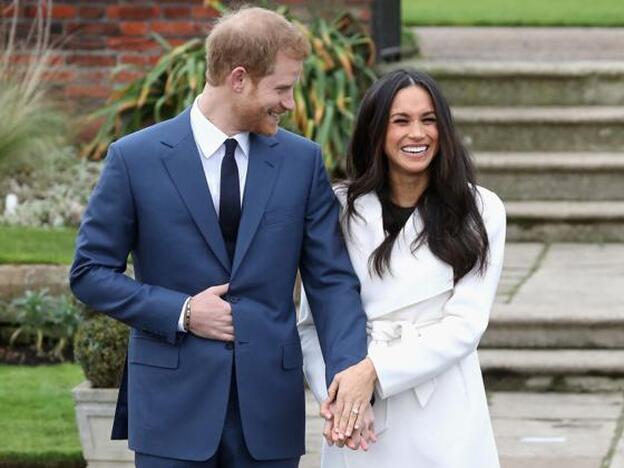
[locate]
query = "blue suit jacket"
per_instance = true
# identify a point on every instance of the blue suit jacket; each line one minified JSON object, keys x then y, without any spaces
{"x":152,"y":201}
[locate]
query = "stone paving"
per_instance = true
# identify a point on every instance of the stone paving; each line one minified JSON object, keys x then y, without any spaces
{"x":521,"y":260}
{"x":583,"y":275}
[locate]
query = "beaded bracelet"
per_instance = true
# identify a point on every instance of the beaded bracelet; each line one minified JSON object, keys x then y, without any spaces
{"x":187,"y":315}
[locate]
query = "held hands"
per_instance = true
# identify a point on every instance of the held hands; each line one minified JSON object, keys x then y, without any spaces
{"x":348,"y":402}
{"x":211,"y":316}
{"x":361,"y":438}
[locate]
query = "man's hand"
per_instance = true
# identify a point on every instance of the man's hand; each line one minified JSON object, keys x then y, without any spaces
{"x":352,"y":390}
{"x":211,"y":316}
{"x":327,"y":415}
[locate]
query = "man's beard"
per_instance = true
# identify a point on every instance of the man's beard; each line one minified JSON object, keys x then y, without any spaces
{"x":255,"y":119}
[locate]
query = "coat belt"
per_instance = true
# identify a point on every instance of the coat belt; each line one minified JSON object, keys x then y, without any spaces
{"x":385,"y":332}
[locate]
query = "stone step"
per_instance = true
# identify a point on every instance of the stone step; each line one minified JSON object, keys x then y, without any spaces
{"x":553,"y":176}
{"x":536,"y":44}
{"x":553,"y":362}
{"x":598,"y":129}
{"x":525,"y":83}
{"x":565,"y":221}
{"x":554,"y":328}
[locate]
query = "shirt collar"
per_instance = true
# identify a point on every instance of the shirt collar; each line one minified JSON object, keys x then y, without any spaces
{"x":209,"y":138}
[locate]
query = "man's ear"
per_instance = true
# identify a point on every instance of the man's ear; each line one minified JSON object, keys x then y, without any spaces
{"x":237,"y":79}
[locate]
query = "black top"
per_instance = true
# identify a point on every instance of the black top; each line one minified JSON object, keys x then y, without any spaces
{"x":399,"y":214}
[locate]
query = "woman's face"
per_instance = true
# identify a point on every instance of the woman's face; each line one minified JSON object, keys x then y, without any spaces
{"x":412,"y":133}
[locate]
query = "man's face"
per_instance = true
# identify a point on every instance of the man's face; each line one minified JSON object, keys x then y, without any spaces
{"x":261,"y":104}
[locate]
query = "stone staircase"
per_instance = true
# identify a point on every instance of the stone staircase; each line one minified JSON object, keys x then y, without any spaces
{"x":558,"y":319}
{"x":548,"y":138}
{"x":547,"y":134}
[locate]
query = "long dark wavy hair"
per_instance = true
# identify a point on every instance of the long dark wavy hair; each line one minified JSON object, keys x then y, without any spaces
{"x":453,"y":227}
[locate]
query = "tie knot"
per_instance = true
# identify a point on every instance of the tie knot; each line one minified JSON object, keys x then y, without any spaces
{"x":230,"y":146}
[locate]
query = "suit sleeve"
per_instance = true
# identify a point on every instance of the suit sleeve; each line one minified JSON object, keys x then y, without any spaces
{"x":421,"y":356}
{"x":105,"y":238}
{"x":332,"y":288}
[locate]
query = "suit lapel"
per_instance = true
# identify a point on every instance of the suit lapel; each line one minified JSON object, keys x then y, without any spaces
{"x":264,"y":163}
{"x":183,"y":163}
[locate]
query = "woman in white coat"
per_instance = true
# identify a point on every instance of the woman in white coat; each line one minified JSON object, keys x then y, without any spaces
{"x":427,"y":245}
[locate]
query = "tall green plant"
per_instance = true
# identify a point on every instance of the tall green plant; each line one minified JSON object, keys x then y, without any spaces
{"x":334,"y":78}
{"x":31,"y":125}
{"x":32,"y":311}
{"x":161,"y":93}
{"x":41,"y":318}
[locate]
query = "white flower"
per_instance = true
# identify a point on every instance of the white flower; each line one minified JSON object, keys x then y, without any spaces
{"x":10,"y":204}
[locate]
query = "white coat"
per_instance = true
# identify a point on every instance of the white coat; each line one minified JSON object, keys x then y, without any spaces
{"x":431,"y":409}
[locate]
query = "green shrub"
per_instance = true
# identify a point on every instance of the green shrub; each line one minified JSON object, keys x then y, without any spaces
{"x":335,"y":76}
{"x":100,"y":348}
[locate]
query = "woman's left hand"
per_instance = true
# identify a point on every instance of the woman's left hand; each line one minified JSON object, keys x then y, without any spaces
{"x":361,"y":437}
{"x":350,"y":391}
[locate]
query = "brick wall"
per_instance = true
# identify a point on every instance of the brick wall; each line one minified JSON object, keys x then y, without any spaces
{"x":100,"y":35}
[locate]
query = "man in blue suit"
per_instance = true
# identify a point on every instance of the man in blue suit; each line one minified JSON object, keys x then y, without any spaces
{"x":219,"y":209}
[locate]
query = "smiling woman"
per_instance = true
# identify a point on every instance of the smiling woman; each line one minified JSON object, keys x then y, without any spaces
{"x":513,"y":13}
{"x":427,"y":245}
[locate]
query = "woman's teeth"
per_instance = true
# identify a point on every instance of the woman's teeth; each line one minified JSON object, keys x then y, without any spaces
{"x":414,"y":149}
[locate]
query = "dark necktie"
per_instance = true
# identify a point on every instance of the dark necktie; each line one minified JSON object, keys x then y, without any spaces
{"x":229,"y":203}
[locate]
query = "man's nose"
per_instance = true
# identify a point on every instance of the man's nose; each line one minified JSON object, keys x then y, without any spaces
{"x":288,"y":102}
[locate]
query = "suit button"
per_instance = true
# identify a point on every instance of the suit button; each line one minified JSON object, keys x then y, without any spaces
{"x":229,"y":345}
{"x":233,"y":299}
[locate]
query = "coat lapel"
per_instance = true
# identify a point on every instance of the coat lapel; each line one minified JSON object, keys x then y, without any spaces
{"x":264,"y":163}
{"x":416,"y":275}
{"x":183,"y":163}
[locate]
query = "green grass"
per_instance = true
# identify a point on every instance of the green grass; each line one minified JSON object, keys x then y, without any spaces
{"x":33,"y":245}
{"x":37,"y":415}
{"x":513,"y":12}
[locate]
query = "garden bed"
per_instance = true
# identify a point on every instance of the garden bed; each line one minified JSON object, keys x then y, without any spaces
{"x":26,"y":356}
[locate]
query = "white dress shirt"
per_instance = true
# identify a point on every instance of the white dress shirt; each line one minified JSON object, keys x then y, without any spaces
{"x":210,"y":142}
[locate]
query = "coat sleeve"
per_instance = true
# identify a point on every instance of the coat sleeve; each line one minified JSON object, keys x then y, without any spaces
{"x":313,"y":363}
{"x":421,"y":356}
{"x":332,"y":287}
{"x":105,"y":238}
